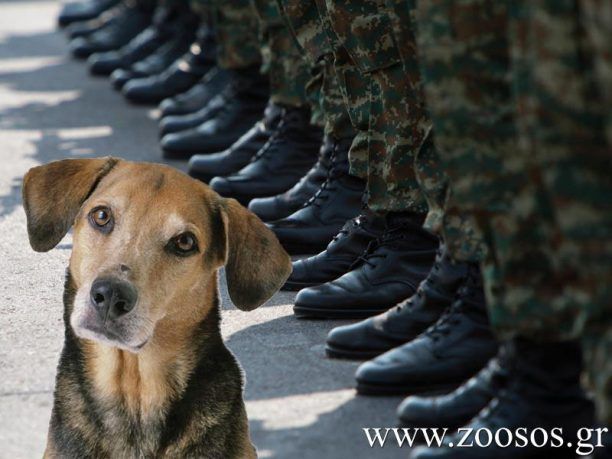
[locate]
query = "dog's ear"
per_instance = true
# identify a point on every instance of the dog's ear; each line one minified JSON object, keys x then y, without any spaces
{"x":53,"y":195}
{"x":256,"y":265}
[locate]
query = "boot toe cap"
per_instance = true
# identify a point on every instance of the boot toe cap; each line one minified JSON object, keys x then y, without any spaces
{"x":347,"y":336}
{"x":140,"y":90}
{"x":265,"y":208}
{"x":81,"y":48}
{"x":222,"y":186}
{"x":176,"y":142}
{"x":120,"y":77}
{"x":171,"y":124}
{"x":417,"y":411}
{"x":320,"y":296}
{"x":104,"y":63}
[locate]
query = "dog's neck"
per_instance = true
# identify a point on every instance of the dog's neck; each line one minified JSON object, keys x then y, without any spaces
{"x":146,"y":383}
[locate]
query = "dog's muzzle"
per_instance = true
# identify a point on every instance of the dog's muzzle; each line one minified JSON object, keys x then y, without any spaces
{"x":112,"y":297}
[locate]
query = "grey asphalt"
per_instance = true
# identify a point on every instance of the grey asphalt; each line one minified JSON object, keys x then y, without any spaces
{"x":300,"y":404}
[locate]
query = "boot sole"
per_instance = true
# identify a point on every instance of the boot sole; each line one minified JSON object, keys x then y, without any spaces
{"x":345,"y":354}
{"x":385,"y":390}
{"x":302,"y":312}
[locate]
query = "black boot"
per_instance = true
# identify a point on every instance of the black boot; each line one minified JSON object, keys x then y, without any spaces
{"x":163,"y":57}
{"x":404,"y":322}
{"x":388,"y":272}
{"x":205,"y":167}
{"x":238,"y":108}
{"x":166,"y":25}
{"x":279,"y":164}
{"x":86,"y":28}
{"x":197,"y":97}
{"x":178,"y":123}
{"x":340,"y":255}
{"x":452,"y":350}
{"x":178,"y":77}
{"x":83,"y":11}
{"x":282,"y":205}
{"x":543,"y":395}
{"x":460,"y":406}
{"x":339,"y":199}
{"x":129,"y":22}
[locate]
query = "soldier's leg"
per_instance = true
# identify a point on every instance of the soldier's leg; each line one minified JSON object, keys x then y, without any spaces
{"x":237,"y":31}
{"x":385,"y":101}
{"x":596,"y":19}
{"x":337,"y":197}
{"x":397,"y":95}
{"x":293,"y":148}
{"x":288,"y":71}
{"x":246,"y":94}
{"x":525,"y":303}
{"x":564,"y":123}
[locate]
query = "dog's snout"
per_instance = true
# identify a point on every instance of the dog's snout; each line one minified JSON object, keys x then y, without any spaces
{"x":113,"y":297}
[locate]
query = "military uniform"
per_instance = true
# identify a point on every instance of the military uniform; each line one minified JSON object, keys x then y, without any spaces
{"x":542,"y":203}
{"x":314,"y":39}
{"x":237,"y":31}
{"x":384,"y":106}
{"x":563,"y":105}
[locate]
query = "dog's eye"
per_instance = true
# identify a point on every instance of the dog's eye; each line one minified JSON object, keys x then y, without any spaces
{"x":102,"y":218}
{"x":183,"y":244}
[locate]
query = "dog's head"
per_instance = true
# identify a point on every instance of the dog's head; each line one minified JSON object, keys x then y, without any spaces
{"x":147,"y":243}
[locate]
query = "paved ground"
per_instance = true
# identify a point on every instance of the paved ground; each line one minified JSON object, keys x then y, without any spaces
{"x":301,"y":405}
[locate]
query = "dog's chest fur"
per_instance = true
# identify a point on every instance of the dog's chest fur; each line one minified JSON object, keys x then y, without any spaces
{"x":107,"y":407}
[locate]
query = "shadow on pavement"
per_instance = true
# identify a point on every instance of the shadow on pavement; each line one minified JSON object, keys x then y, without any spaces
{"x":62,"y":112}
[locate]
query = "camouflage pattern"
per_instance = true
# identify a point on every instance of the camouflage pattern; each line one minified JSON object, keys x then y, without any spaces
{"x":384,"y":97}
{"x":310,"y":31}
{"x":398,"y":123}
{"x":433,"y":182}
{"x":562,"y":86}
{"x":520,"y":105}
{"x":237,"y":29}
{"x":364,"y":29}
{"x":337,"y":122}
{"x":315,"y":39}
{"x":356,"y":91}
{"x":466,"y":66}
{"x":288,"y":70}
{"x":596,"y":20}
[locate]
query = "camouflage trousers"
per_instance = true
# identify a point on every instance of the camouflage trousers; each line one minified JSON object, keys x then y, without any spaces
{"x":377,"y":66}
{"x":237,"y":31}
{"x":250,"y":32}
{"x":313,"y":39}
{"x":562,"y":84}
{"x":521,"y":120}
{"x":288,"y":70}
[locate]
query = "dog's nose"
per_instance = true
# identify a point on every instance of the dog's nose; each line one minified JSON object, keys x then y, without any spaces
{"x":113,"y":297}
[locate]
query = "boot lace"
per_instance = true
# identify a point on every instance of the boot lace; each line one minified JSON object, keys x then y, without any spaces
{"x":409,"y":303}
{"x":351,"y":226}
{"x":388,"y":238}
{"x":328,"y":186}
{"x":451,"y":316}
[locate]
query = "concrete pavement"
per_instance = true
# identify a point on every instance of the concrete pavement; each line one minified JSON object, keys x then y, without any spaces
{"x":300,"y":404}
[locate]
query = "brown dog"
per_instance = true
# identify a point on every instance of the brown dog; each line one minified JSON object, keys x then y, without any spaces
{"x":144,"y":372}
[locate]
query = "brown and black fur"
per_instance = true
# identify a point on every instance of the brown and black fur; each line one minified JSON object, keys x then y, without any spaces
{"x":182,"y":394}
{"x":213,"y":398}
